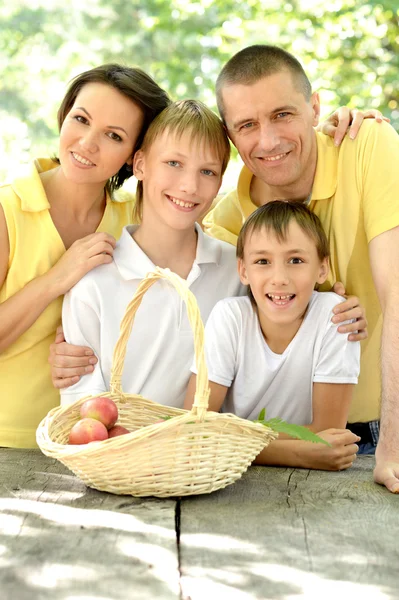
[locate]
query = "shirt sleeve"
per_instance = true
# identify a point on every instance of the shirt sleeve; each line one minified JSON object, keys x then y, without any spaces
{"x":221,"y":344}
{"x":378,"y":177}
{"x":81,"y":327}
{"x":225,"y":220}
{"x":339,"y":359}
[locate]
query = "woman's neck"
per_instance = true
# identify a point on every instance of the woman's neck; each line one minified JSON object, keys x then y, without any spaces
{"x":168,"y":248}
{"x":74,"y":201}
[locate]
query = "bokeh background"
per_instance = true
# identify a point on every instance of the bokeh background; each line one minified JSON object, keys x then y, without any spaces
{"x":349,"y":48}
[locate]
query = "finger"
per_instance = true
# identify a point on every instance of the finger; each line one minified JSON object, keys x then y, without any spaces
{"x":351,"y":313}
{"x":100,"y":247}
{"x":59,"y":335}
{"x":72,"y":350}
{"x":358,"y":325}
{"x":60,"y":384}
{"x":339,"y":288}
{"x":348,"y":304}
{"x":359,"y":336}
{"x":98,"y":236}
{"x":357,"y":120}
{"x":65,"y":372}
{"x":344,"y":117}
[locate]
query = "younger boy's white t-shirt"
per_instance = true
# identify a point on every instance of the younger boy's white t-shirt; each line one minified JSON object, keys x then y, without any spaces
{"x":238,"y":357}
{"x":160,"y":349}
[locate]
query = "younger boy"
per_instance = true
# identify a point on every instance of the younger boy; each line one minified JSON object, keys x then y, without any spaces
{"x":278,"y":349}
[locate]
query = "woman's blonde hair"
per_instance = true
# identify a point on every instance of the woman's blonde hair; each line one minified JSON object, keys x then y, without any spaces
{"x":186,"y":116}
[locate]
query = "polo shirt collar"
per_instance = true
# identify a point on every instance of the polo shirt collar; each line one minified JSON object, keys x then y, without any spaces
{"x":325,"y":181}
{"x":133,"y":263}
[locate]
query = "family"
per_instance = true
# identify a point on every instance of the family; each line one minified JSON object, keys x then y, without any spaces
{"x":309,"y":215}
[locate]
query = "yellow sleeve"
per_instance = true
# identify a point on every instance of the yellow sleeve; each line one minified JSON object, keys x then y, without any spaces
{"x":225,"y":220}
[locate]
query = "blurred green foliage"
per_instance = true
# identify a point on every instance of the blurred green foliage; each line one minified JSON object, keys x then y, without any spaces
{"x":350,"y":50}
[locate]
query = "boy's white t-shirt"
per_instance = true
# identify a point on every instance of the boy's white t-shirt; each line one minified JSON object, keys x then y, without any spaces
{"x":238,"y":357}
{"x":160,"y":350}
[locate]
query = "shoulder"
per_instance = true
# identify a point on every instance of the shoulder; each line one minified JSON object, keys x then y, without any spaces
{"x":235,"y":308}
{"x":322,"y":303}
{"x":96,"y":283}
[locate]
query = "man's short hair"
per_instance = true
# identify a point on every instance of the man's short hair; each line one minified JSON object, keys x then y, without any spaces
{"x":258,"y":61}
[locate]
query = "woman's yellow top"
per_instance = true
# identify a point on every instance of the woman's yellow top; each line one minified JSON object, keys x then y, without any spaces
{"x":26,"y":391}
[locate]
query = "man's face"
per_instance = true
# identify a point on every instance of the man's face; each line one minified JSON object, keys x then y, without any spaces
{"x":271,"y":124}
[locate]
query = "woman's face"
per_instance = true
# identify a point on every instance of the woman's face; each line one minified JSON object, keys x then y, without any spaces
{"x":99,"y":134}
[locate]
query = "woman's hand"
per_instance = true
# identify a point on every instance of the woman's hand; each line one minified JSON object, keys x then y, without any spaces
{"x":83,"y":256}
{"x":349,"y":310}
{"x":337,"y":124}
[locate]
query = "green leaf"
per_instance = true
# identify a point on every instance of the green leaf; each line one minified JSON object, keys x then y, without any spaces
{"x":296,"y":431}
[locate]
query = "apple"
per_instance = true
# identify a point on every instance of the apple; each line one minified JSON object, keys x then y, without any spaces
{"x":88,"y":430}
{"x":117,"y":430}
{"x":102,"y":409}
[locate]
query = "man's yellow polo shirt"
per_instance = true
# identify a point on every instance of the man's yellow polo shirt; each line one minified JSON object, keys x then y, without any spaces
{"x":356,"y":196}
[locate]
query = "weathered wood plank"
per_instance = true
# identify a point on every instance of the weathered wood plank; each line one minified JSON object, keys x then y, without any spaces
{"x":61,"y":540}
{"x":286,"y":533}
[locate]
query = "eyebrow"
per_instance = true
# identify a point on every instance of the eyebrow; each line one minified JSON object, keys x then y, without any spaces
{"x":290,"y":251}
{"x":108,"y":126}
{"x":181,"y":155}
{"x":238,"y":124}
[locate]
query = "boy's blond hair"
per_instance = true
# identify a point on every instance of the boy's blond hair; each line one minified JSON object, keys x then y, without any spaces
{"x":186,"y":116}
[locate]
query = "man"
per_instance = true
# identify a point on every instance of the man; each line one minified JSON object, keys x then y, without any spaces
{"x":270,"y":112}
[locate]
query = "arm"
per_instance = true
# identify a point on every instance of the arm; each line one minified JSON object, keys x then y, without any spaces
{"x":330,"y":412}
{"x":384,"y":257}
{"x":82,"y":325}
{"x":216,"y":398}
{"x":21,"y":310}
{"x":68,"y":362}
{"x":337,"y":124}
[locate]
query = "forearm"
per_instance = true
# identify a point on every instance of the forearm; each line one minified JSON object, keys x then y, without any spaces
{"x":389,"y":431}
{"x":284,"y":453}
{"x":21,"y":310}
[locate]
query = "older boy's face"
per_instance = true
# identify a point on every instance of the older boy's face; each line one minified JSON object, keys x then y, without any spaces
{"x":271,"y":124}
{"x":282,"y":275}
{"x":180,"y":178}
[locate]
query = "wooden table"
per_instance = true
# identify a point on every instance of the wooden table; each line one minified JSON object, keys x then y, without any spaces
{"x":278,"y":534}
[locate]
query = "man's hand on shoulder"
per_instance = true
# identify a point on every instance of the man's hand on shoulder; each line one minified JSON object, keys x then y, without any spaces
{"x":350,"y":310}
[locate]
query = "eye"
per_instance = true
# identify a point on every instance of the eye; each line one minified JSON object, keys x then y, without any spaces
{"x":295,"y":260}
{"x":247,"y":126}
{"x":114,"y":136}
{"x":282,"y":115}
{"x":262,"y":261}
{"x":173,"y":163}
{"x":81,"y":119}
{"x":208,"y":172}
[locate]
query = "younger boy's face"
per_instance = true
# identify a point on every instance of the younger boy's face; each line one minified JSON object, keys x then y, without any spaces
{"x":180,"y":179}
{"x":282,"y":275}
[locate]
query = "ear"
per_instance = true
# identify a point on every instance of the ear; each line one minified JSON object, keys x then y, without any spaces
{"x":315,"y":103}
{"x":323,"y":272}
{"x":138,"y":165}
{"x":242,"y":272}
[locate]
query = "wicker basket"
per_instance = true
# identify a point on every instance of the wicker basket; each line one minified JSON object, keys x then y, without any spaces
{"x":196,"y":452}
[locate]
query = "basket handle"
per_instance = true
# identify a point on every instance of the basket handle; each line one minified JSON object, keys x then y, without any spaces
{"x":202,"y":386}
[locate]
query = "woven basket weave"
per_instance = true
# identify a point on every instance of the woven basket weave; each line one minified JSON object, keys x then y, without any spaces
{"x":196,"y":452}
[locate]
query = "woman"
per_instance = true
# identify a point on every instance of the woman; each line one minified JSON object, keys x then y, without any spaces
{"x":57,"y":222}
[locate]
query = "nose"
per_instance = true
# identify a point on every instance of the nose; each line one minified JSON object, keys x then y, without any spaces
{"x":189,"y":182}
{"x":268,"y":137}
{"x":279,"y":275}
{"x":89,"y":141}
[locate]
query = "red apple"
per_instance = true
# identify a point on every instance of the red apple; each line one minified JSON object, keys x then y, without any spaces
{"x":117,"y":430}
{"x":102,"y":409}
{"x":87,"y":430}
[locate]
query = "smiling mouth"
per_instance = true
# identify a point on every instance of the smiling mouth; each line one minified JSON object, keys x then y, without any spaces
{"x":82,"y":160}
{"x":274,"y":158}
{"x":280,"y":299}
{"x":181,"y":203}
